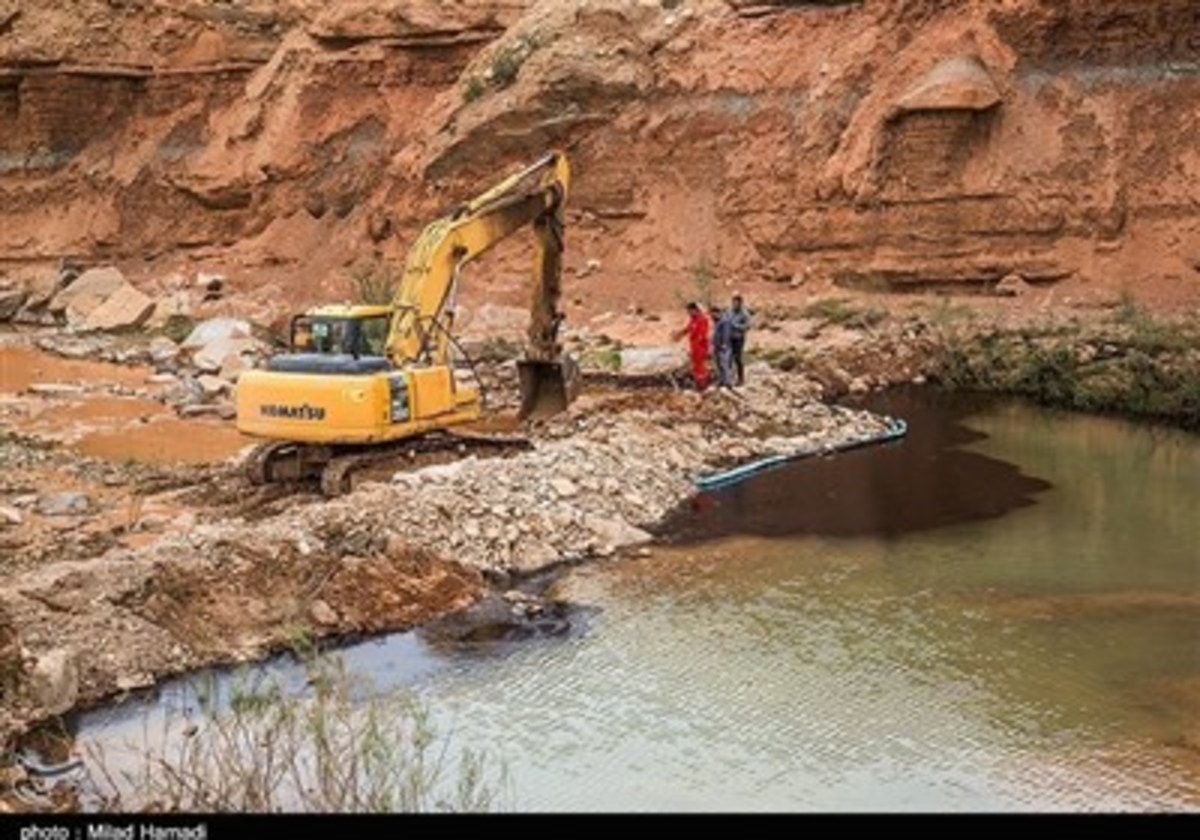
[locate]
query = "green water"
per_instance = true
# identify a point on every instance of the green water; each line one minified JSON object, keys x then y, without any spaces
{"x":1044,"y":658}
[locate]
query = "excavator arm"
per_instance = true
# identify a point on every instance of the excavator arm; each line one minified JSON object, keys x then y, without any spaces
{"x":424,"y":304}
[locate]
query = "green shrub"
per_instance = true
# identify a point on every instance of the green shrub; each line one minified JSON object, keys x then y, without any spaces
{"x":473,"y":90}
{"x":508,"y":60}
{"x":373,"y":282}
{"x":846,"y":314}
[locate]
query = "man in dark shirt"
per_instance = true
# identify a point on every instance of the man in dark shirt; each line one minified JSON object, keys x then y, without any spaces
{"x":722,"y":346}
{"x":739,"y":322}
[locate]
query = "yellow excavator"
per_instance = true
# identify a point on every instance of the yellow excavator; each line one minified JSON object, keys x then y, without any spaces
{"x":361,"y":380}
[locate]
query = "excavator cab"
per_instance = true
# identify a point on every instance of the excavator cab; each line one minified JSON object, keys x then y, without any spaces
{"x":336,"y":339}
{"x":350,"y":332}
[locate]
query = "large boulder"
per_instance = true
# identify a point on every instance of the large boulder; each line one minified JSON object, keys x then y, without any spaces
{"x":86,"y":294}
{"x":126,"y":308}
{"x":215,"y":329}
{"x":224,"y":354}
{"x":649,"y":361}
{"x":11,"y":301}
{"x":221,"y":344}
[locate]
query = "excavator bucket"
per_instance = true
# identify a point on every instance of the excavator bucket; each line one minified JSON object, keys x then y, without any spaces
{"x":547,"y":388}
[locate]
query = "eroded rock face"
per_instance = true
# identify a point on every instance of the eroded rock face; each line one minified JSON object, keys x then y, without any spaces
{"x":889,"y":144}
{"x":961,"y":83}
{"x":364,"y":19}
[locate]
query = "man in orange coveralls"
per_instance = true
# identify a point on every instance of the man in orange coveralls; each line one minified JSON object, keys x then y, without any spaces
{"x":697,"y":330}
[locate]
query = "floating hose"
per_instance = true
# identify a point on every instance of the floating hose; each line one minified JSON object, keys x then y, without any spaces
{"x":35,"y":767}
{"x":895,"y":430}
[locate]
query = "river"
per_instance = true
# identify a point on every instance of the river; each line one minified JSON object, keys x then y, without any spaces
{"x":1001,"y":612}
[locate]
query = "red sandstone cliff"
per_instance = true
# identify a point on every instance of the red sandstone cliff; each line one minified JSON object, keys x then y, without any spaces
{"x":890,"y":144}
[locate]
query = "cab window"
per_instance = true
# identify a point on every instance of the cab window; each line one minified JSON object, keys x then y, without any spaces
{"x":332,"y":336}
{"x":374,"y":335}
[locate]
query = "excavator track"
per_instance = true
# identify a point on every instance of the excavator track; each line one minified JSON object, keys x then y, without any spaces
{"x":336,"y":468}
{"x":284,"y":461}
{"x":338,"y":475}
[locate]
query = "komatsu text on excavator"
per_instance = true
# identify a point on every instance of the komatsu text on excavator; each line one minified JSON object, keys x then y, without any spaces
{"x":359,"y":378}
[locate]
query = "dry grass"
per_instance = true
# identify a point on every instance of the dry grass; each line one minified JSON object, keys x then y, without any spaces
{"x":340,"y":748}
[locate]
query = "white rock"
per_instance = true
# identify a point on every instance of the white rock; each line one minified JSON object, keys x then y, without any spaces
{"x":213,"y":329}
{"x":645,"y":361}
{"x":212,"y":384}
{"x":70,"y":503}
{"x":10,"y":516}
{"x":615,"y":531}
{"x":55,"y":389}
{"x":54,"y":681}
{"x":564,"y":487}
{"x":162,"y":349}
{"x":213,"y":356}
{"x":200,"y":411}
{"x":323,"y":614}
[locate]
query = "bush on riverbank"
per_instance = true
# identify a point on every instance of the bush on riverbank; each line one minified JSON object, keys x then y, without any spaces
{"x":1134,"y":365}
{"x":342,"y":748}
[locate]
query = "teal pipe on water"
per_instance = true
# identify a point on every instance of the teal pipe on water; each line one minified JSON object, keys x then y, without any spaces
{"x":896,"y":429}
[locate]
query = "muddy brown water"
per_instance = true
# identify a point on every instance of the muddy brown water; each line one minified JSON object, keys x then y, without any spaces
{"x":168,"y":441}
{"x":1005,"y":619}
{"x":110,"y":427}
{"x":21,"y":367}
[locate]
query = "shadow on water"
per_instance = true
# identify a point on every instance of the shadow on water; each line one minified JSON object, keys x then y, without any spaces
{"x":927,"y":480}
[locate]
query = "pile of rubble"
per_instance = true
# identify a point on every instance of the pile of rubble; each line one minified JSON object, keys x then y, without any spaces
{"x":597,"y":478}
